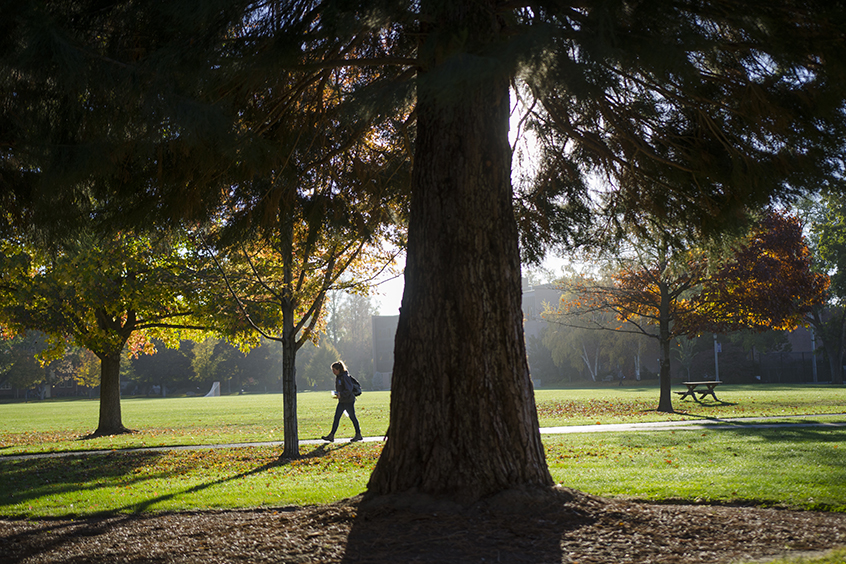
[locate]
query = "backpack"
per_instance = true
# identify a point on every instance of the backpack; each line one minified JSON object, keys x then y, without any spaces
{"x":356,"y":387}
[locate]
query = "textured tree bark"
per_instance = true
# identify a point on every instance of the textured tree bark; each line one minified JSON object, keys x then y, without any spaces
{"x":665,"y":399}
{"x":110,"y":421}
{"x":290,"y":429}
{"x":463,"y":420}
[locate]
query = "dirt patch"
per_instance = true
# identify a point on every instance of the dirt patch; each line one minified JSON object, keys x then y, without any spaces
{"x":515,"y":527}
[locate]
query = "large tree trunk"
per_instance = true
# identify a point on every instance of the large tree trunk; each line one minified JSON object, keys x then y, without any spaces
{"x":110,"y":422}
{"x":463,"y":420}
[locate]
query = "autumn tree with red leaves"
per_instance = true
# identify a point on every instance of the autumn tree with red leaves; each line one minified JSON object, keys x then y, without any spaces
{"x":767,"y":284}
{"x":663,"y":290}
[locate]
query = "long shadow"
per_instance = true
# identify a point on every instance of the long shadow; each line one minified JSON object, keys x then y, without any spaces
{"x":701,"y":404}
{"x":56,"y":532}
{"x":65,"y":476}
{"x":515,"y":527}
{"x":53,"y":534}
{"x":703,"y":416}
{"x":145,"y":505}
{"x":28,"y":480}
{"x":811,"y":432}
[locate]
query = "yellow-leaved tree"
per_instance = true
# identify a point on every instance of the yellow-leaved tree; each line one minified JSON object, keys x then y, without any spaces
{"x":104,"y":293}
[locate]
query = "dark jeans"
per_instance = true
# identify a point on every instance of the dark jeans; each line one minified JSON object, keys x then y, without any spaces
{"x":350,"y":409}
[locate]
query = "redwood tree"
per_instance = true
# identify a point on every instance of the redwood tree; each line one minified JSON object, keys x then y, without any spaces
{"x":692,"y":109}
{"x":463,"y":420}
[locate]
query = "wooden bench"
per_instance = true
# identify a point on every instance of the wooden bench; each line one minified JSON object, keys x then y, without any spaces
{"x":702,"y":388}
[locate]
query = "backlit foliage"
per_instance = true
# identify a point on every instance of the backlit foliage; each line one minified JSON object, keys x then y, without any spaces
{"x":767,"y":283}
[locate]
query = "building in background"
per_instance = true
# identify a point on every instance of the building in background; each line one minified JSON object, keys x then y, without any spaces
{"x":384,"y":328}
{"x":798,"y":365}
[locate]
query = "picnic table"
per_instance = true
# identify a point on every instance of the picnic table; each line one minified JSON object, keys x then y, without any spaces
{"x":704,"y":389}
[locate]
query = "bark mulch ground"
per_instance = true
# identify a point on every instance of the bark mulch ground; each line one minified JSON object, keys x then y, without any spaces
{"x":515,"y":527}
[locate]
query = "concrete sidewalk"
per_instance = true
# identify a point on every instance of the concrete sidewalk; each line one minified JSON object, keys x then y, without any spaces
{"x":734,"y":423}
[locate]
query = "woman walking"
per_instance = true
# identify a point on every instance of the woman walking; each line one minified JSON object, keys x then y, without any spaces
{"x":346,"y":401}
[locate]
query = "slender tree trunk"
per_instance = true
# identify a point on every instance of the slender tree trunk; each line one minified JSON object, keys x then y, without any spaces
{"x":290,"y":431}
{"x":593,"y":369}
{"x":637,"y":362}
{"x":110,"y":422}
{"x":463,"y":420}
{"x":665,"y":400}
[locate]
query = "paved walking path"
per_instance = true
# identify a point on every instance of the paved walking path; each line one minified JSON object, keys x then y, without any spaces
{"x":733,"y":423}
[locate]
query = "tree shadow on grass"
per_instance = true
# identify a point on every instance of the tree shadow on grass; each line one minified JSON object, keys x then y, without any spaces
{"x":807,"y":433}
{"x":64,"y":478}
{"x":318,"y":452}
{"x":99,"y":435}
{"x":145,"y":505}
{"x":679,"y":408}
{"x":700,"y":401}
{"x":36,"y":478}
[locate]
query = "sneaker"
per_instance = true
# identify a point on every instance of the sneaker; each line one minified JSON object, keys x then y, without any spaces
{"x":356,"y":438}
{"x":329,"y":438}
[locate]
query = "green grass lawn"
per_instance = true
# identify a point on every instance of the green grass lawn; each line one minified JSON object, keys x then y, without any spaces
{"x":181,"y":480}
{"x":57,"y":425}
{"x":802,"y":468}
{"x":794,"y":467}
{"x":788,"y":467}
{"x":637,"y":403}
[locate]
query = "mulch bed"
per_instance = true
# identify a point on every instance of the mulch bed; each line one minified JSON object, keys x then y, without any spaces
{"x":563,"y":526}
